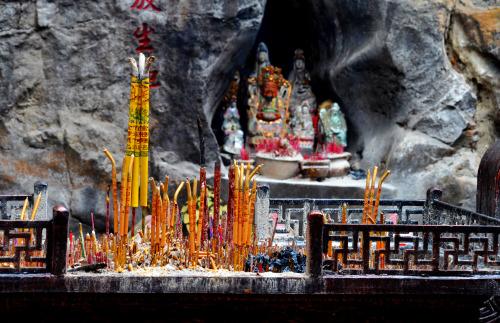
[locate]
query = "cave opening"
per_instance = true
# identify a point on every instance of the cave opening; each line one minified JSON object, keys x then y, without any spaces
{"x":287,"y":25}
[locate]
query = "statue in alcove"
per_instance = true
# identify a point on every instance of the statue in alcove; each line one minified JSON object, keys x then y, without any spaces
{"x":300,"y":80}
{"x":261,"y":61}
{"x":268,"y":102}
{"x":301,"y":124}
{"x":233,"y":135}
{"x":332,"y":125}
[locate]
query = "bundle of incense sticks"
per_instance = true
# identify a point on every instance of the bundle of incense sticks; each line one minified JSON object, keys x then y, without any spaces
{"x":162,"y":241}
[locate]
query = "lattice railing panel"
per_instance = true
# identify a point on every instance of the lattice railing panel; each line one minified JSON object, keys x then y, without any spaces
{"x":412,"y":249}
{"x":22,"y":246}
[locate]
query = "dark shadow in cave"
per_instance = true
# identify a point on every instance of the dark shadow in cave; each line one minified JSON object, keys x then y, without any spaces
{"x":286,"y":26}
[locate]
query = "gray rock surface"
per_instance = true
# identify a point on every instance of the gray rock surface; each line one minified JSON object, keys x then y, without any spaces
{"x":417,"y":80}
{"x":65,"y":87}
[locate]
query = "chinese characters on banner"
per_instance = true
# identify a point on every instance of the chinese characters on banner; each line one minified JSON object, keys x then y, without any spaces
{"x":141,"y":34}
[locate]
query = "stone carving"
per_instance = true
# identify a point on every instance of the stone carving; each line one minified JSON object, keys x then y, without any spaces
{"x":261,"y":60}
{"x":233,"y":135}
{"x":332,"y":125}
{"x":301,"y":124}
{"x":300,"y":80}
{"x":269,"y":95}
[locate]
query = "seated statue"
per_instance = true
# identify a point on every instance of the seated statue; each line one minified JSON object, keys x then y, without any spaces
{"x":269,"y":93}
{"x":332,"y":125}
{"x":233,"y":135}
{"x":300,"y":80}
{"x":301,"y":124}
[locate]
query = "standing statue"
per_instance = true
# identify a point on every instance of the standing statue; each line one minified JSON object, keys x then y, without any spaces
{"x":301,"y":124}
{"x":233,"y":135}
{"x":262,"y":60}
{"x":300,"y":80}
{"x":332,"y":125}
{"x":268,"y":102}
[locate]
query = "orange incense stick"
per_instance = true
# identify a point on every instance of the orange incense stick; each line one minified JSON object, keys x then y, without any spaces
{"x":174,"y":205}
{"x":367,"y":195}
{"x":118,"y":221}
{"x":127,"y":200}
{"x":192,"y":221}
{"x":200,"y":216}
{"x":154,"y":207}
{"x":159,"y":208}
{"x":240,"y":204}
{"x":245,"y":212}
{"x":251,"y":213}
{"x":236,"y":203}
{"x":115,"y":187}
{"x":372,"y":195}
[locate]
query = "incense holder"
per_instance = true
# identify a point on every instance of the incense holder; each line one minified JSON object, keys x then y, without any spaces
{"x":278,"y":167}
{"x":339,"y":164}
{"x":315,"y":169}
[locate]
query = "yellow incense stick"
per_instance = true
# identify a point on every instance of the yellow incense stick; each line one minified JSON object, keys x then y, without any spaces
{"x":379,"y":192}
{"x":115,"y":188}
{"x":35,"y":208}
{"x":251,"y":213}
{"x":174,"y":205}
{"x":23,"y":211}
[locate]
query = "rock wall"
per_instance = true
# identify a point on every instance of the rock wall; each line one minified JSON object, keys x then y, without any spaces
{"x":417,"y":79}
{"x":65,"y":87}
